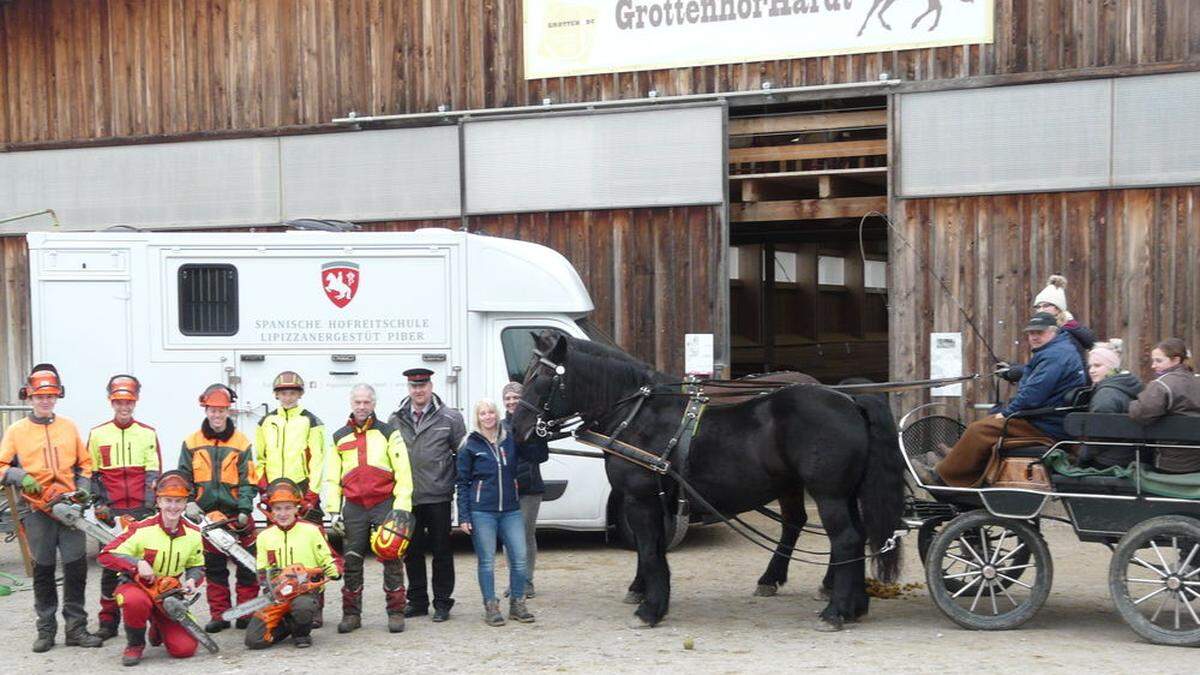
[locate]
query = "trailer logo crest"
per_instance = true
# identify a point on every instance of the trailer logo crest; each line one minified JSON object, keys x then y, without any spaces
{"x":340,"y":281}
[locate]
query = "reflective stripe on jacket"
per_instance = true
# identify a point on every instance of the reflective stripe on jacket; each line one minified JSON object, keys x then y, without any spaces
{"x":221,"y":471}
{"x":301,"y":544}
{"x":51,"y":452}
{"x":367,"y":465}
{"x":169,"y":553}
{"x":291,"y":444}
{"x":126,"y":462}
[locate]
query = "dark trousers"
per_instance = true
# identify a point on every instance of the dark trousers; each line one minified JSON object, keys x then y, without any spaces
{"x":48,"y":538}
{"x":432,"y":535}
{"x":359,"y":521}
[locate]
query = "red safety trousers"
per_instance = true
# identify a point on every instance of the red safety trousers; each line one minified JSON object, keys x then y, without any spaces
{"x":138,"y":610}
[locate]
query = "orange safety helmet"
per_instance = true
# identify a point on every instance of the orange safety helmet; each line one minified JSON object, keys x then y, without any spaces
{"x":123,"y":388}
{"x":390,"y":540}
{"x":283,"y":490}
{"x":288,"y":379}
{"x":43,"y":380}
{"x":173,"y":484}
{"x":217,"y":396}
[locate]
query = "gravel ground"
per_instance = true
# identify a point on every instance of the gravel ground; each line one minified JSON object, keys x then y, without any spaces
{"x":581,"y":623}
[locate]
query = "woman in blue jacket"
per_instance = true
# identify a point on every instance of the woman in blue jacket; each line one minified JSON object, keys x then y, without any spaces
{"x":488,"y":508}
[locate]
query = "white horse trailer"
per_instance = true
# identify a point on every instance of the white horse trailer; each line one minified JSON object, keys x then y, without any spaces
{"x":184,"y":310}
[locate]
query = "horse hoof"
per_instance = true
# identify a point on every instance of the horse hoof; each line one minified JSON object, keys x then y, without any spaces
{"x":826,"y":626}
{"x":766,"y":590}
{"x":634,"y":598}
{"x":639,"y":623}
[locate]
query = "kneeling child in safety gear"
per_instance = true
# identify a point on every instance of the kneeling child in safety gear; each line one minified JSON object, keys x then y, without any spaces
{"x":294,"y":561}
{"x":159,"y":549}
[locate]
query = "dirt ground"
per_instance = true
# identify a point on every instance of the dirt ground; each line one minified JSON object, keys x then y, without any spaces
{"x":582,"y":625}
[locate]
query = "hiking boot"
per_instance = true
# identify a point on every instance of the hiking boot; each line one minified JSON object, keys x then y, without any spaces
{"x":395,"y":623}
{"x":216,"y":626}
{"x":350,"y":622}
{"x":107,"y":630}
{"x":529,"y":592}
{"x":518,"y":612}
{"x":241,"y":623}
{"x":302,"y":641}
{"x":43,"y":643}
{"x":78,"y":636}
{"x":491,"y":613}
{"x":411,"y":611}
{"x":132,"y":655}
{"x":441,"y":614}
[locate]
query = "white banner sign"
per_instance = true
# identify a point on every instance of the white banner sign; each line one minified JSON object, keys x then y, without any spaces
{"x":945,"y":360}
{"x":582,"y":37}
{"x":698,"y":354}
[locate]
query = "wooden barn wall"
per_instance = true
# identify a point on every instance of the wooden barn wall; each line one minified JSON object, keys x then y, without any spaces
{"x":1129,"y":257}
{"x":90,"y":69}
{"x":650,"y":272}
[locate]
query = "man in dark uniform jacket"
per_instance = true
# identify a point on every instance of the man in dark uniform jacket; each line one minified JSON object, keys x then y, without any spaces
{"x":432,"y":431}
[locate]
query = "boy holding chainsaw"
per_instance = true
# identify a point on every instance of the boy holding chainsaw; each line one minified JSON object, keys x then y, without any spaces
{"x":294,"y":562}
{"x":125,"y":460}
{"x":218,"y":460}
{"x":43,"y":455}
{"x":154,"y":555}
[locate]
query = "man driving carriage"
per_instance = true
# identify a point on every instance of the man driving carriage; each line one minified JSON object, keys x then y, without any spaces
{"x":1054,"y":371}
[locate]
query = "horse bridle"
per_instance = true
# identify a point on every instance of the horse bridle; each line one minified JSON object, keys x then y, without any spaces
{"x":544,"y":422}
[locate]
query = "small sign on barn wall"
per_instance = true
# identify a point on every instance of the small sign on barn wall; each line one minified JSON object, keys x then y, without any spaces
{"x":583,"y":37}
{"x":698,"y":354}
{"x":945,"y":360}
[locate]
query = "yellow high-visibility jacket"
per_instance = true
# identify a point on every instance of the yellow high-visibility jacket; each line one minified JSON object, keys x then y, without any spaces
{"x":367,"y":465}
{"x":169,"y":553}
{"x":126,"y":461}
{"x":301,"y":544}
{"x":291,"y":444}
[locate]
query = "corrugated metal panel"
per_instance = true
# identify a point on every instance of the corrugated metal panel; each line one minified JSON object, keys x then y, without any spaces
{"x":658,"y":157}
{"x":1155,"y":139}
{"x":372,"y":175}
{"x":234,"y":182}
{"x":1029,"y":138}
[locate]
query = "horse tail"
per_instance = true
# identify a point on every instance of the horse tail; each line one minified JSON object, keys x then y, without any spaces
{"x":881,"y":493}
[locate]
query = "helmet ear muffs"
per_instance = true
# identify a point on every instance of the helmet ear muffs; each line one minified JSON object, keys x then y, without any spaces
{"x":23,"y":393}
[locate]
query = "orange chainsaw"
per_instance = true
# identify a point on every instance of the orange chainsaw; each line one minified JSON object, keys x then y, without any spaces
{"x":279,"y":589}
{"x":168,"y":595}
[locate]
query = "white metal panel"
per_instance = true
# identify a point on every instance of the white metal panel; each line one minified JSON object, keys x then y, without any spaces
{"x":1155,"y":136}
{"x":233,"y":182}
{"x":372,"y":175}
{"x":660,"y":157}
{"x":1032,"y":138}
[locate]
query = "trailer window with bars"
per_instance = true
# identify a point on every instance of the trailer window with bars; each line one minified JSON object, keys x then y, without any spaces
{"x":208,"y":299}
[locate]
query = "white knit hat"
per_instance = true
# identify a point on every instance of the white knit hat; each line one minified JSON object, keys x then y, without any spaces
{"x":1054,"y":293}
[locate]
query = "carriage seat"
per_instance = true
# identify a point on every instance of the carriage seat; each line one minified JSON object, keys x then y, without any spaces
{"x":724,"y":393}
{"x":1119,"y":427}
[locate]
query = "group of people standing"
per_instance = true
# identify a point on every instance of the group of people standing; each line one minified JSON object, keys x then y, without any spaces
{"x":386,"y":486}
{"x":1070,"y":369}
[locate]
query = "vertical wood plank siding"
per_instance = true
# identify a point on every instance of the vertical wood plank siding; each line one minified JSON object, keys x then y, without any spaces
{"x":1129,"y":257}
{"x":89,"y":69}
{"x":647,"y":270}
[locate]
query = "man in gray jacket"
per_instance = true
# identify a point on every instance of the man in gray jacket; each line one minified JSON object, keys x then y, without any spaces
{"x":432,"y":431}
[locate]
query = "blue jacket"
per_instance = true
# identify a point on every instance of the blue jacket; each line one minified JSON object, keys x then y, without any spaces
{"x":487,"y":475}
{"x":530,"y":455}
{"x":1055,"y":370}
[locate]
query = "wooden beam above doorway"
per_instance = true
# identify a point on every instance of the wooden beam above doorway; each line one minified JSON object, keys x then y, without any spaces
{"x":783,"y":153}
{"x":806,"y":209}
{"x":807,"y":122}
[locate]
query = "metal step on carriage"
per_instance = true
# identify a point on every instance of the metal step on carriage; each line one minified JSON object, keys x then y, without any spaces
{"x":987,"y":564}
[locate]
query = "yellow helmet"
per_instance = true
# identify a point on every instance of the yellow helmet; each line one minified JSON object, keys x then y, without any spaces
{"x":390,"y":539}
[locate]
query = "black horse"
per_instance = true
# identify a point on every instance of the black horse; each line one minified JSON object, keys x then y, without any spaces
{"x":841,"y":449}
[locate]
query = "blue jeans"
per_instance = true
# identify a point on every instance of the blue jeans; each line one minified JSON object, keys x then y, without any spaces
{"x":510,"y":527}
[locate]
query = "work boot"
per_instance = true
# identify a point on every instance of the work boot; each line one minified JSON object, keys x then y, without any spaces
{"x":135,"y":644}
{"x":517,"y":610}
{"x":350,"y":623}
{"x":216,"y":626}
{"x":241,"y":623}
{"x":107,"y":630}
{"x":412,"y":610}
{"x":302,"y":641}
{"x":78,"y":636}
{"x":395,"y":623}
{"x":44,"y":642}
{"x":397,"y":601}
{"x":441,"y":614}
{"x":491,"y":613}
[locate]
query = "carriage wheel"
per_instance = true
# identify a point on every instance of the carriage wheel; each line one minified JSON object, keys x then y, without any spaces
{"x":974,"y":571}
{"x":1154,"y":580}
{"x":930,"y":528}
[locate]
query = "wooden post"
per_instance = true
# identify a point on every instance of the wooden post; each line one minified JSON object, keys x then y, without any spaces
{"x":768,"y":308}
{"x":14,"y":502}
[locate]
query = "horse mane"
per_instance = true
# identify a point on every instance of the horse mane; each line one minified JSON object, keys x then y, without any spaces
{"x":610,"y":374}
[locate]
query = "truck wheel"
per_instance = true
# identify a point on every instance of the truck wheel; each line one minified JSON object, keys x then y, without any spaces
{"x":676,"y":528}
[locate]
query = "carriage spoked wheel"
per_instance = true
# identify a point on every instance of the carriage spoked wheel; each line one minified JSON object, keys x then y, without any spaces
{"x":931,"y":528}
{"x":988,"y":573}
{"x":1154,"y":580}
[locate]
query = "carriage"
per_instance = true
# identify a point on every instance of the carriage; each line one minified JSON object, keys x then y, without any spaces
{"x":987,"y":564}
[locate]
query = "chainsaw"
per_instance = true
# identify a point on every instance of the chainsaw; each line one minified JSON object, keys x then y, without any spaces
{"x":68,"y":510}
{"x":168,"y":595}
{"x":279,"y":588}
{"x":213,"y":529}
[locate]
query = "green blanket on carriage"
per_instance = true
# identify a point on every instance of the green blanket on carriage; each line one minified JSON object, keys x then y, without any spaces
{"x":1177,"y":485}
